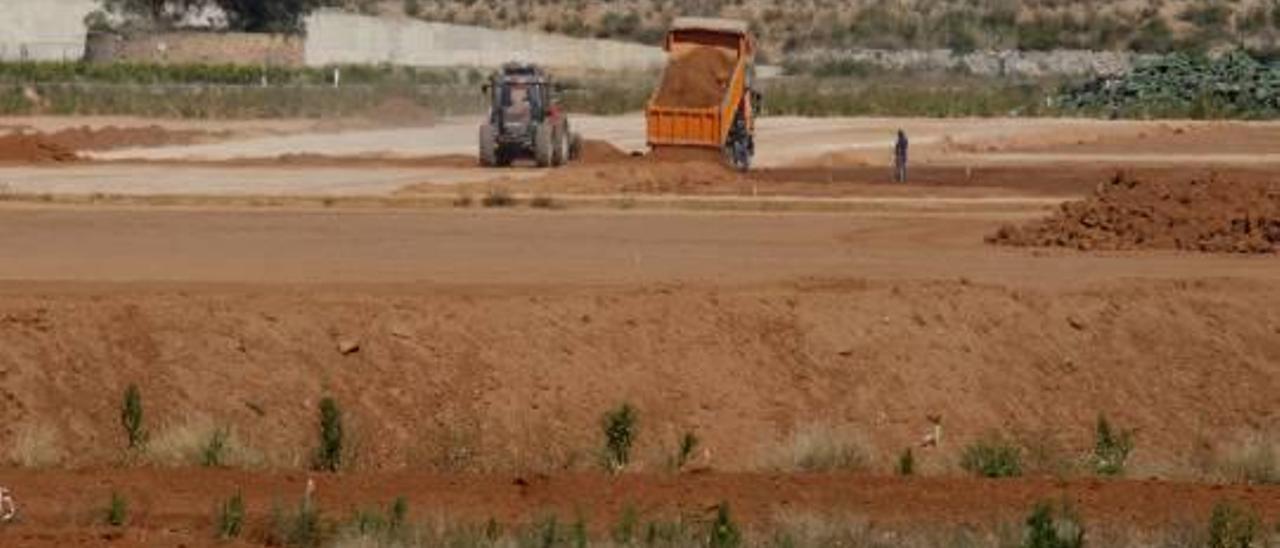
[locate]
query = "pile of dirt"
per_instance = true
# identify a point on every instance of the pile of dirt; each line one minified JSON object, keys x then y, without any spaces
{"x":112,"y":137}
{"x":595,"y":151}
{"x":25,"y":148}
{"x":1205,"y":214}
{"x":696,"y":78}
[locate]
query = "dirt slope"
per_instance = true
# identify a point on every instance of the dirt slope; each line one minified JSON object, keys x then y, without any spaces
{"x":502,"y":379}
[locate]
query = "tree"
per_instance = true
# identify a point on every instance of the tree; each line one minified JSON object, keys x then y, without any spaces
{"x":242,"y":15}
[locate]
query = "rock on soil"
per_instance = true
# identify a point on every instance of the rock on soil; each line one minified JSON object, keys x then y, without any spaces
{"x":695,"y":78}
{"x":1208,"y":215}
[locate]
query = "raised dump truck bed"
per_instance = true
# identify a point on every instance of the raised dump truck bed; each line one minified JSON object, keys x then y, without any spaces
{"x":705,"y":99}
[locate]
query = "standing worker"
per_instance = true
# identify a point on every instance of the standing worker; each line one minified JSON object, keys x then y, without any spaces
{"x":900,"y":158}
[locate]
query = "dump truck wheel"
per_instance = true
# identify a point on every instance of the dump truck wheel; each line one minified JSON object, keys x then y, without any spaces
{"x":488,"y":146}
{"x":542,"y":145}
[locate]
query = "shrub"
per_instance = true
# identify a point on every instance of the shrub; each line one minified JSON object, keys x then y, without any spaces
{"x":329,"y":455}
{"x":117,"y":510}
{"x":724,"y":532}
{"x":1254,"y":462}
{"x":619,"y":433}
{"x":131,"y":417}
{"x":230,"y":517}
{"x":992,"y":457}
{"x":498,"y":198}
{"x":906,"y":463}
{"x":544,"y":202}
{"x":1231,"y":527}
{"x":1110,"y":448}
{"x":213,"y":454}
{"x":824,"y":449}
{"x":688,"y":444}
{"x":1044,"y":531}
{"x":625,"y":530}
{"x":300,"y":528}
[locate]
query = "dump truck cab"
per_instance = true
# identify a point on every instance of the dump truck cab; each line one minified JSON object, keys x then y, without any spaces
{"x":525,"y":119}
{"x":727,"y":122}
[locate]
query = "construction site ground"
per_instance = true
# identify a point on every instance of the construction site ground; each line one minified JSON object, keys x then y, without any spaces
{"x":240,"y":275}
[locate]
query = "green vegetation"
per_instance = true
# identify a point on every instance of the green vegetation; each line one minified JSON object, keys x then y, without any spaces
{"x":497,"y":197}
{"x":821,"y":448}
{"x":992,"y":457}
{"x":377,"y":528}
{"x":724,"y":532}
{"x":1110,"y":448}
{"x":1232,"y":527}
{"x":1235,"y":85}
{"x":906,"y":463}
{"x":329,"y":455}
{"x":1048,"y":527}
{"x":252,"y":16}
{"x":230,"y":517}
{"x":214,"y":452}
{"x":688,"y":444}
{"x":302,"y":527}
{"x":131,"y":417}
{"x":117,"y":510}
{"x":619,"y":427}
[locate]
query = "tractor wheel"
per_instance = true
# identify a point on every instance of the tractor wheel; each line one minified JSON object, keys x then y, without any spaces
{"x":543,"y":143}
{"x":575,"y":147}
{"x":559,"y":148}
{"x":488,"y":146}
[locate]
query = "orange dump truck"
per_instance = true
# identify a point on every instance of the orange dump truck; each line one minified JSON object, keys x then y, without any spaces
{"x":706,"y":100}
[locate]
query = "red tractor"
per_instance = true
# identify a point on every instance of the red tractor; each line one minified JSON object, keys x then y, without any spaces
{"x":525,"y":119}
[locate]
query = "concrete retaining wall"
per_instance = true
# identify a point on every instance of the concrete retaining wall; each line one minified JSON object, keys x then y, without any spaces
{"x":339,"y":38}
{"x":43,"y":30}
{"x":197,"y":47}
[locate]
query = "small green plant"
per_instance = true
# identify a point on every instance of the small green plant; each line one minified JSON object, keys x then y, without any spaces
{"x":724,"y":532}
{"x":625,"y":530}
{"x":906,"y":463}
{"x":230,"y":517}
{"x":117,"y":510}
{"x":300,"y":528}
{"x":992,"y":457}
{"x":131,"y":417}
{"x":1047,"y":528}
{"x":329,"y":455}
{"x":1111,"y":448}
{"x":214,"y":452}
{"x":1232,"y":527}
{"x":688,"y":444}
{"x":619,"y":433}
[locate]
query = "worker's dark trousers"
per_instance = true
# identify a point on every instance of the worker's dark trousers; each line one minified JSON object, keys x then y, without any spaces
{"x":900,"y":172}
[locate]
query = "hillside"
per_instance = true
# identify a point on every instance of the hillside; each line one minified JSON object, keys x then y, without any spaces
{"x":786,"y":26}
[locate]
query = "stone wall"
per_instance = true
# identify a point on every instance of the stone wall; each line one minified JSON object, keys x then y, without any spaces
{"x":198,"y":48}
{"x":43,"y":30}
{"x":342,"y":38}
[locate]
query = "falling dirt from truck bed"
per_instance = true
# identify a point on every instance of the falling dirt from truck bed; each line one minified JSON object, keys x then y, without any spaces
{"x":1205,"y":214}
{"x":696,"y":78}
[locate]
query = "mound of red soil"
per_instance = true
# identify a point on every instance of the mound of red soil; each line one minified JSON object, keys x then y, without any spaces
{"x":696,"y":78}
{"x":1208,"y":215}
{"x":112,"y":137}
{"x":595,"y":151}
{"x":20,"y":147}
